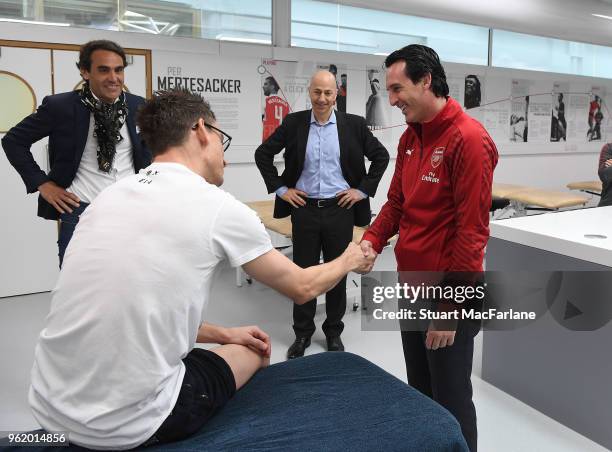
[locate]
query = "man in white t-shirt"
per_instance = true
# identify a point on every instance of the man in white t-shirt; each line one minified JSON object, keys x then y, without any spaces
{"x":115,"y":365}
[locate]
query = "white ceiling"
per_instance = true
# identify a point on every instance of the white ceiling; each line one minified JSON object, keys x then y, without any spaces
{"x":565,"y":19}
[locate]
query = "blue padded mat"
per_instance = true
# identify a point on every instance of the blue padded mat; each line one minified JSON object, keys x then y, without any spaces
{"x":324,"y":402}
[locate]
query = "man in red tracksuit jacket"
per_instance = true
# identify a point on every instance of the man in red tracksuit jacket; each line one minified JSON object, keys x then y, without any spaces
{"x":438,"y":201}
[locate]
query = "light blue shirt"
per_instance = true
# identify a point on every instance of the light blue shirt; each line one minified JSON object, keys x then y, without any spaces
{"x":322,"y":174}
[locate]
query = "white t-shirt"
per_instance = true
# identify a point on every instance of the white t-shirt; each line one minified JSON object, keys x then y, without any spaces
{"x":89,"y":180}
{"x":129,"y":301}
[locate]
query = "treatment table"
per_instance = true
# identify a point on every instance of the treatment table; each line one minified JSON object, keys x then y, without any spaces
{"x":523,"y":198}
{"x":265,"y":211}
{"x":592,"y":187}
{"x":330,"y":401}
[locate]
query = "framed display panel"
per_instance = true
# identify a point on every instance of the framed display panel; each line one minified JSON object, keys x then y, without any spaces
{"x":28,"y":243}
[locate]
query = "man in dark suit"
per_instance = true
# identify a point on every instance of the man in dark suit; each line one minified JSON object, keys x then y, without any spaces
{"x":325,"y":189}
{"x":605,"y":174}
{"x":92,"y":139}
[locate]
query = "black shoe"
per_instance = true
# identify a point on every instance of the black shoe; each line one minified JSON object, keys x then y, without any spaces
{"x":334,"y":344}
{"x":297,"y":348}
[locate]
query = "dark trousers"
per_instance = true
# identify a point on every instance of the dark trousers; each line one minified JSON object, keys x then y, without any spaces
{"x":68,"y":222}
{"x":315,"y":229}
{"x":445,"y":374}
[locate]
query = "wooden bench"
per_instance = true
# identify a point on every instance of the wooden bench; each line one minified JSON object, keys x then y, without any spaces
{"x":592,"y":187}
{"x":265,"y":211}
{"x":523,"y":198}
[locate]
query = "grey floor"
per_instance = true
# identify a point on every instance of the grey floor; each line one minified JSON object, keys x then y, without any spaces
{"x":505,"y":424}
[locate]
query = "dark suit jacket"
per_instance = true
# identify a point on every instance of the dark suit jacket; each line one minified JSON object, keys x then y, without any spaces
{"x":605,"y":174}
{"x":356,"y":141}
{"x":65,"y":120}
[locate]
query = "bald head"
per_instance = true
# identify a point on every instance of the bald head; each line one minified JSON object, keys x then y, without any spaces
{"x":323,"y":77}
{"x":323,"y":91}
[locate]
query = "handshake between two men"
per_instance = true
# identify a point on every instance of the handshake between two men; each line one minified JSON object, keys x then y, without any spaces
{"x":362,"y":256}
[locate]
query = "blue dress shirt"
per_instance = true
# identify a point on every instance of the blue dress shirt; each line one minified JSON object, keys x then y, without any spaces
{"x":322,"y":175}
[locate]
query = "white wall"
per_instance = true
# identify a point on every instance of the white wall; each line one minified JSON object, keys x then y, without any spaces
{"x":539,"y":167}
{"x":548,"y":170}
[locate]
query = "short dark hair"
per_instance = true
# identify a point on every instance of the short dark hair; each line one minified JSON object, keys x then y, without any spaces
{"x":473,"y":99}
{"x":273,"y":81}
{"x":421,"y":60}
{"x":475,"y":78}
{"x":102,"y":44}
{"x":166,"y":119}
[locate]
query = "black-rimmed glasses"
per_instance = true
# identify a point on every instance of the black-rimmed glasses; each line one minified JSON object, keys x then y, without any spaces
{"x":225,"y":138}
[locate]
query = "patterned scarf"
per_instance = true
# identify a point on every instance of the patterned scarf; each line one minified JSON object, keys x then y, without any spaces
{"x":108,"y":119}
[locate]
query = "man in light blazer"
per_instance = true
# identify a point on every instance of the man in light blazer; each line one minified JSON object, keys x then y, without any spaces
{"x":326,"y":189}
{"x":93,"y":140}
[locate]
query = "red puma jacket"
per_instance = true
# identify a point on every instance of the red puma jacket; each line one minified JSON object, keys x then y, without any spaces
{"x":440,"y":195}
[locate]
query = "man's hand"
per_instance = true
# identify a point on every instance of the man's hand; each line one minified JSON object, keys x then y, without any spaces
{"x":358,"y":262}
{"x":349,"y":197}
{"x":438,"y":339}
{"x":369,"y":253}
{"x":295,"y":197}
{"x":59,"y":198}
{"x":608,"y":163}
{"x":252,"y":337}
